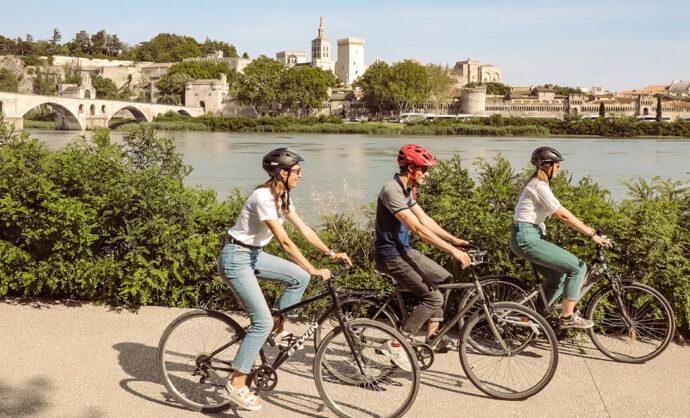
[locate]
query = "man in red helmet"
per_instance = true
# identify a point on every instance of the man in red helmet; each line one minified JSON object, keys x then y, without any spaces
{"x":397,"y":214}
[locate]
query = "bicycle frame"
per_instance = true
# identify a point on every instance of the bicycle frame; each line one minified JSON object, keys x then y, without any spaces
{"x":596,"y":270}
{"x":295,"y":345}
{"x":479,"y":296}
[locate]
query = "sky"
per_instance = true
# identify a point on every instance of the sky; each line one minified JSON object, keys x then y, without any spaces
{"x":618,"y":45}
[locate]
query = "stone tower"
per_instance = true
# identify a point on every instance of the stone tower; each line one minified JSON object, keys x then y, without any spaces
{"x":350,"y":63}
{"x":321,"y":51}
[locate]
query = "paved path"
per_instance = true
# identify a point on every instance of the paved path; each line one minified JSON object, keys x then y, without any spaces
{"x":63,"y":360}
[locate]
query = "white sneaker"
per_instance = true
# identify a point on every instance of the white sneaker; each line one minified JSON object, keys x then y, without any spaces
{"x":394,"y":351}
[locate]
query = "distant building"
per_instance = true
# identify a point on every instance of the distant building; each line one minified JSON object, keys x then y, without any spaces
{"x":659,"y":89}
{"x":83,"y":91}
{"x":679,"y":88}
{"x":235,"y":63}
{"x":321,"y":52}
{"x":469,"y":71}
{"x":207,"y":94}
{"x":350,"y":63}
{"x":291,"y":58}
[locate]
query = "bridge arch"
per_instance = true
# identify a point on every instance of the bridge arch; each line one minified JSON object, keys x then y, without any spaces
{"x":64,"y":118}
{"x":136,"y":112}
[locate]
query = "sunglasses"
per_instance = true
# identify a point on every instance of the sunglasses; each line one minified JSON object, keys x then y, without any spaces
{"x":296,"y":170}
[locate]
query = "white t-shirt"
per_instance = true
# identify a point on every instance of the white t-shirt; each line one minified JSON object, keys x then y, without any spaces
{"x":250,"y":228}
{"x":536,"y":203}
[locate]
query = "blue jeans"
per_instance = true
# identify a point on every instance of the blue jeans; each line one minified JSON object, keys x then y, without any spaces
{"x":240,"y":268}
{"x":563,"y":271}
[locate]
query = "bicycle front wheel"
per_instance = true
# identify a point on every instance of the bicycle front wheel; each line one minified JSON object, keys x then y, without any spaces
{"x":635,"y":330}
{"x":361,"y":377}
{"x":187,"y":368}
{"x":355,"y":308}
{"x":517,"y":360}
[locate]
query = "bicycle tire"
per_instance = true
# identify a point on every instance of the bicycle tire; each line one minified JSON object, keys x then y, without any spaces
{"x":347,"y":390}
{"x":355,"y":308}
{"x":496,"y":289}
{"x":652,"y":329}
{"x":507,"y":375}
{"x":180,"y":359}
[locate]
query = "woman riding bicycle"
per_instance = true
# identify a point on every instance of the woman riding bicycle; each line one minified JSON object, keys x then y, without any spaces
{"x":242,"y":262}
{"x":563,"y":271}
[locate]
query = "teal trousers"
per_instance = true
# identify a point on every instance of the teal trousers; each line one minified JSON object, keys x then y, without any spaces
{"x":564,"y":272}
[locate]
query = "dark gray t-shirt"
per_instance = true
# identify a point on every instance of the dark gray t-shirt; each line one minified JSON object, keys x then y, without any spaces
{"x":392,"y":237}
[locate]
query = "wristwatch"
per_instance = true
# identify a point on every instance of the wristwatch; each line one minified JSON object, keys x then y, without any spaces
{"x":330,"y":252}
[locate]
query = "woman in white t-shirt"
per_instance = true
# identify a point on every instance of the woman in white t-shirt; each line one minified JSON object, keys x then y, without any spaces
{"x":242,"y":262}
{"x":563,"y":271}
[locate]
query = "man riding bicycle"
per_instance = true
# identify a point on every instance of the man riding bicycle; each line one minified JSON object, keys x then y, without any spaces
{"x":397,"y":214}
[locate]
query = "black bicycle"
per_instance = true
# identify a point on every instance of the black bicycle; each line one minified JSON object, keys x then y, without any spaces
{"x":355,"y":374}
{"x":633,"y":323}
{"x":514,"y":351}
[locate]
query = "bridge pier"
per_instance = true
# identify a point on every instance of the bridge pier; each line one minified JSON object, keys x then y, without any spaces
{"x":17,"y":122}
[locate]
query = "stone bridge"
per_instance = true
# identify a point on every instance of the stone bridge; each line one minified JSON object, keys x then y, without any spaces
{"x":81,"y":114}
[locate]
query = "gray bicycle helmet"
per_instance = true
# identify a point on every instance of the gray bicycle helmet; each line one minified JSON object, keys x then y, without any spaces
{"x":278,"y":159}
{"x":545,"y":155}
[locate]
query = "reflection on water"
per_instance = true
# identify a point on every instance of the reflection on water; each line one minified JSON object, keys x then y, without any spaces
{"x":344,"y":172}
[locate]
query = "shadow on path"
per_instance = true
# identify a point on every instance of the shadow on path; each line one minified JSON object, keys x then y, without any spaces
{"x":23,"y":401}
{"x":139,"y":361}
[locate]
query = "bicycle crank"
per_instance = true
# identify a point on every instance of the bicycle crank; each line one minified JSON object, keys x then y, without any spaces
{"x":265,"y":378}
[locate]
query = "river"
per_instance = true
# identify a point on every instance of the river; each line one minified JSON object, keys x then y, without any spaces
{"x":341,"y":173}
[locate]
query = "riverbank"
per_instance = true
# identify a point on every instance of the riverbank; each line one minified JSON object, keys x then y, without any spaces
{"x":496,"y":126}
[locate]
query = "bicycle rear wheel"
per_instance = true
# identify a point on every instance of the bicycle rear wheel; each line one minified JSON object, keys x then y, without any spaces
{"x":355,"y":308}
{"x":186,"y":368}
{"x":517,"y":363}
{"x":649,"y":331}
{"x":365,"y":382}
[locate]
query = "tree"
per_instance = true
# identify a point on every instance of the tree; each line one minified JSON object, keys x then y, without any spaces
{"x":44,"y":81}
{"x":71,"y":74}
{"x":7,"y":46}
{"x":171,"y":88}
{"x":260,"y":83}
{"x":563,"y":91}
{"x":407,"y":85}
{"x":107,"y":89}
{"x":98,"y":40}
{"x":438,"y":84}
{"x":9,"y":81}
{"x":602,"y":110}
{"x":305,"y":88}
{"x":54,"y":47}
{"x":81,"y":44}
{"x":499,"y":89}
{"x":658,"y":109}
{"x":245,"y":55}
{"x":57,"y":37}
{"x":210,"y":47}
{"x":113,"y":46}
{"x":374,"y":85}
{"x":168,"y":47}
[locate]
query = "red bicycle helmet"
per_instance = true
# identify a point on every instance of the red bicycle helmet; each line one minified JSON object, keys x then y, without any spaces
{"x":415,"y":154}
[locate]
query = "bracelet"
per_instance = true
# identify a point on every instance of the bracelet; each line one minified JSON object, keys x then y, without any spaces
{"x":593,"y":234}
{"x":330,"y":252}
